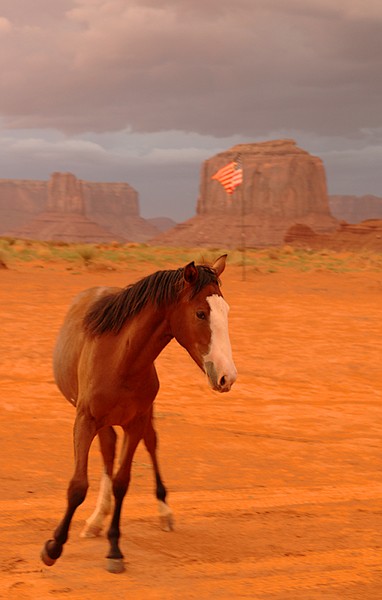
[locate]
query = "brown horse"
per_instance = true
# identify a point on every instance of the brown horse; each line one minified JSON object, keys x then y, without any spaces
{"x":104,"y":365}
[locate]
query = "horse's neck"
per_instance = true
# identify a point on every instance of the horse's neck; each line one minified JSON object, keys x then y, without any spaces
{"x":145,"y":336}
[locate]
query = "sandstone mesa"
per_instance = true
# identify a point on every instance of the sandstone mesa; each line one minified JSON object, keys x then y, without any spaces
{"x":283,"y":187}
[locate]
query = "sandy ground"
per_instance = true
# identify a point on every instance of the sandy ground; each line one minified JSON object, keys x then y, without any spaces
{"x":276,"y":487}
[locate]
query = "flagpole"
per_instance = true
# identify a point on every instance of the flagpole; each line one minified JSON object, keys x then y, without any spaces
{"x":231,"y":176}
{"x":242,"y":228}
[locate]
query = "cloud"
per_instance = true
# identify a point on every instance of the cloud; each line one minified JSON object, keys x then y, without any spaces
{"x":42,"y":148}
{"x":354,"y":171}
{"x":213,"y":67}
{"x":118,"y":152}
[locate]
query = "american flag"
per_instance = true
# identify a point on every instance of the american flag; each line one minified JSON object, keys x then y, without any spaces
{"x":230,"y":176}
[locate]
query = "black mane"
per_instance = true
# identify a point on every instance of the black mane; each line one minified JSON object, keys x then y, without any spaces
{"x":109,"y":313}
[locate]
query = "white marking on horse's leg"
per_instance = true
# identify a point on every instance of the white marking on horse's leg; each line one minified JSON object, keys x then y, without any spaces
{"x":219,"y":354}
{"x":165,"y":516}
{"x":94,"y":523}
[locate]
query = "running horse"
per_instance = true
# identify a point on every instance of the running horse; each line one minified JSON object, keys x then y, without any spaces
{"x":104,"y":365}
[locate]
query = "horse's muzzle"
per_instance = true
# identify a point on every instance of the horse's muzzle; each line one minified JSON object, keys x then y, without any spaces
{"x":220,"y":382}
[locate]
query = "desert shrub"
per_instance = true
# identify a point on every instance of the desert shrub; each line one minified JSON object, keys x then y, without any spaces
{"x":87,"y":252}
{"x":9,"y":240}
{"x":3,"y":260}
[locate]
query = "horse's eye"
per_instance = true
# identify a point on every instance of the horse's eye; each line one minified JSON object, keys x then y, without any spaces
{"x":200,"y":314}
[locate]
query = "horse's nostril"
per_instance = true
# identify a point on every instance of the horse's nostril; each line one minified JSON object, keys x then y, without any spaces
{"x":222,"y":381}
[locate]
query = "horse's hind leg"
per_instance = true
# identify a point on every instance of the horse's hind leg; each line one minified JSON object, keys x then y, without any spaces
{"x":84,"y":433}
{"x":94,"y":524}
{"x":165,"y":513}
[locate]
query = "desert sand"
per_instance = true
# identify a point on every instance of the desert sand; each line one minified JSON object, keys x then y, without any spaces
{"x":276,"y":487}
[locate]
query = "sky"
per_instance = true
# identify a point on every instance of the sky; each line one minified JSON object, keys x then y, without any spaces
{"x":143,"y":91}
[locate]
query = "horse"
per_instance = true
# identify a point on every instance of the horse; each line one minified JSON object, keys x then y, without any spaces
{"x":103,"y":364}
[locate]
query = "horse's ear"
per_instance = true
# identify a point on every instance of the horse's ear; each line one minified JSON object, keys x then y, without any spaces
{"x":190,"y":273}
{"x":219,"y":264}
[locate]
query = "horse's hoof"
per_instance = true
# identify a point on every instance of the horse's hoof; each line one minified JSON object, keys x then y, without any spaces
{"x":46,"y":559}
{"x":115,"y":565}
{"x":91,"y":531}
{"x":166,"y":522}
{"x":166,"y":519}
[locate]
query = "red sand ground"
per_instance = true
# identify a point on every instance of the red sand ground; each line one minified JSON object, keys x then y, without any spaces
{"x":276,"y":487}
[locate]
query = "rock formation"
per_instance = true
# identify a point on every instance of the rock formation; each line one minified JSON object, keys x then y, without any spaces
{"x":282,"y":185}
{"x":64,"y":218}
{"x":65,"y":227}
{"x":355,"y":209}
{"x":20,"y":200}
{"x":65,"y":194}
{"x":162,"y":223}
{"x":116,"y":207}
{"x":64,"y":205}
{"x":366,"y":235}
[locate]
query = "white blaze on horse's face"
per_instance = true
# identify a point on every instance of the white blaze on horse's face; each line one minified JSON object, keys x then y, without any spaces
{"x":218,"y":362}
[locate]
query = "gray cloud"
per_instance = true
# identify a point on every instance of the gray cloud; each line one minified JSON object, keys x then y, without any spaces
{"x":216,"y":68}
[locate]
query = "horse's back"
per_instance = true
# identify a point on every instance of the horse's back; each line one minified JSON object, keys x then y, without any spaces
{"x":70,"y":342}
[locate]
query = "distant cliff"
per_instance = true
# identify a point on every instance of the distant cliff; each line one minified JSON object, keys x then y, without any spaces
{"x":32,"y":207}
{"x":280,"y":180}
{"x":282,"y":185}
{"x":20,"y":200}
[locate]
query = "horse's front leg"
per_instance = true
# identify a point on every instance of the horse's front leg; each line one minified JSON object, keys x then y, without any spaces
{"x":121,"y":480}
{"x":84,"y":433}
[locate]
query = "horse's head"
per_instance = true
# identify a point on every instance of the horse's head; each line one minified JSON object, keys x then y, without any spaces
{"x":199,"y":322}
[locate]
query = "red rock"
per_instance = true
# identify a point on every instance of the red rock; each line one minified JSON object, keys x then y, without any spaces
{"x":366,"y":235}
{"x":20,"y":200}
{"x":69,"y":209}
{"x":65,"y":227}
{"x":282,"y":185}
{"x":65,"y":194}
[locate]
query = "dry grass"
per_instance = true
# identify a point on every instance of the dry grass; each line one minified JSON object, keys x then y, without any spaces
{"x":119,"y":256}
